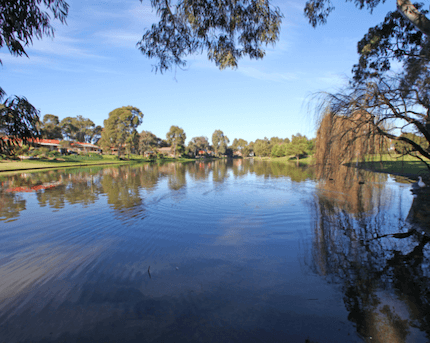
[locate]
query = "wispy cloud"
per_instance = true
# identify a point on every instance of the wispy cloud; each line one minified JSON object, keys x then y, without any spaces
{"x":63,"y":46}
{"x":120,"y":38}
{"x":267,"y":76}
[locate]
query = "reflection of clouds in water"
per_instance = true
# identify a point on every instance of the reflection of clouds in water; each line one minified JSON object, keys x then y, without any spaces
{"x":237,"y":230}
{"x":45,"y":270}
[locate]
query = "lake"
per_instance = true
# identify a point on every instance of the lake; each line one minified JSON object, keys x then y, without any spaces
{"x":220,"y":251}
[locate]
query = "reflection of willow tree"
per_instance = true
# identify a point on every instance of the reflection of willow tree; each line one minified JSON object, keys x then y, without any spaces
{"x":10,"y":206}
{"x":364,"y":246}
{"x":352,"y":188}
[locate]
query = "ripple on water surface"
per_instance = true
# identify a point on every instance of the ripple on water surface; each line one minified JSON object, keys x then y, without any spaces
{"x":232,"y":258}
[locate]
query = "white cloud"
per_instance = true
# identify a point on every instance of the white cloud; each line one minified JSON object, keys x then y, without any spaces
{"x":122,"y":38}
{"x":261,"y":75}
{"x":62,"y":46}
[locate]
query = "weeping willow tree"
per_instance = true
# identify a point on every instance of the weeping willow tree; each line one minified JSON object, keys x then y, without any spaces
{"x":344,"y":139}
{"x":367,"y":118}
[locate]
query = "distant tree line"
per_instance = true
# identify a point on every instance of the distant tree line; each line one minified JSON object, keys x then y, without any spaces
{"x":119,"y":135}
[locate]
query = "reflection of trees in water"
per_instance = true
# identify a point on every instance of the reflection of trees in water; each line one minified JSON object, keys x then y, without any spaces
{"x":122,"y":185}
{"x":10,"y":206}
{"x":149,"y":175}
{"x":361,"y":241}
{"x":297,"y":173}
{"x":177,"y":178}
{"x":198,"y":171}
{"x":220,"y":170}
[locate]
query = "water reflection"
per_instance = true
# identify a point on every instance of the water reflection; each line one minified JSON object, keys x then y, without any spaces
{"x":122,"y":185}
{"x":364,"y":240}
{"x":224,"y":241}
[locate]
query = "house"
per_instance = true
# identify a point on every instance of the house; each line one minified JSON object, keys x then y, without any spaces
{"x":51,"y":144}
{"x":237,"y":153}
{"x":85,"y":147}
{"x":54,"y":144}
{"x":203,"y":153}
{"x":166,"y":151}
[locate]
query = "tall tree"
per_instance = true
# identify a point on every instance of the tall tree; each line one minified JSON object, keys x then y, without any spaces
{"x":80,"y":129}
{"x":298,"y":146}
{"x":20,"y":23}
{"x":363,"y":117}
{"x":198,"y":143}
{"x":176,"y":137}
{"x":50,"y":128}
{"x":120,"y":126}
{"x":241,"y":145}
{"x":220,"y":142}
{"x":262,"y":147}
{"x":147,"y":141}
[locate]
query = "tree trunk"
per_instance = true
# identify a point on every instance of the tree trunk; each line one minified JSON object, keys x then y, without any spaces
{"x":414,"y":16}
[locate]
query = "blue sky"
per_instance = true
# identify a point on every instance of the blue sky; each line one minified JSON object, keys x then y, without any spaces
{"x":92,"y":66}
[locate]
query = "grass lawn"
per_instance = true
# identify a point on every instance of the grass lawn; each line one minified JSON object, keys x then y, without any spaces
{"x":42,"y":164}
{"x":408,"y":166}
{"x":75,"y":161}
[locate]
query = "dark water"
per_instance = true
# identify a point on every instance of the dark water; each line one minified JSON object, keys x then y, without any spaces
{"x":239,"y":251}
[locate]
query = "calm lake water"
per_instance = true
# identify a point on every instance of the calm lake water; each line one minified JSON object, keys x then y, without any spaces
{"x":237,"y":251}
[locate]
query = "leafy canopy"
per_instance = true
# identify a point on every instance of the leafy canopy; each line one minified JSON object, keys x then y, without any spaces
{"x":18,"y":118}
{"x":226,"y":29}
{"x":176,"y":137}
{"x":220,"y":142}
{"x":121,"y":126}
{"x":20,"y":22}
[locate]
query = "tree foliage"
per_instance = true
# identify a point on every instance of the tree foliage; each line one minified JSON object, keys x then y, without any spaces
{"x":262,"y":147}
{"x":18,"y":119}
{"x":120,"y":127}
{"x":227,"y":29}
{"x":176,"y":137}
{"x":298,"y":146}
{"x":396,"y":40}
{"x":220,"y":142}
{"x":362,"y":119}
{"x":404,"y":148}
{"x":20,"y":22}
{"x":50,"y":127}
{"x":241,"y":145}
{"x":197,"y":144}
{"x":147,"y":141}
{"x":80,"y":129}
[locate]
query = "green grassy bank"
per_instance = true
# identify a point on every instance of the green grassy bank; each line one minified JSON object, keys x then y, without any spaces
{"x":408,"y":166}
{"x":76,"y":161}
